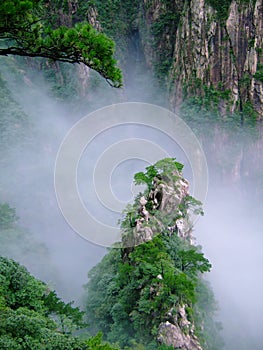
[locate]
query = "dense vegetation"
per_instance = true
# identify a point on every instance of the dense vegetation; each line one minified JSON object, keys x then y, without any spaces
{"x":133,"y":290}
{"x":32,"y":317}
{"x":115,"y":14}
{"x":222,"y":7}
{"x":26,"y":30}
{"x":127,"y":300}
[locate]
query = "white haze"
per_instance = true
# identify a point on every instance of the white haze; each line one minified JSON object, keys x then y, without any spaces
{"x":231,"y":231}
{"x":231,"y":234}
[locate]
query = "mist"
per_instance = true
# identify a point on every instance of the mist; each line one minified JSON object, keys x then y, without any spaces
{"x":230,"y":232}
{"x":231,"y":236}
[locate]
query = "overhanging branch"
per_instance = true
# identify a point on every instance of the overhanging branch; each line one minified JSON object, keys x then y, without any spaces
{"x":47,"y":53}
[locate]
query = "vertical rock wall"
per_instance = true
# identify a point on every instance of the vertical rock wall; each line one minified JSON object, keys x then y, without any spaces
{"x":223,"y":54}
{"x":202,"y":49}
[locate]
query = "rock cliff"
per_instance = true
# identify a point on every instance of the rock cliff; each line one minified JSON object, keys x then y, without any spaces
{"x":204,"y":47}
{"x":167,"y":197}
{"x":224,"y":54}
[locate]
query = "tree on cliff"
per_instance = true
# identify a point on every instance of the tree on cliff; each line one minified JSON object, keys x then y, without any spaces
{"x":25,"y":30}
{"x":138,"y":294}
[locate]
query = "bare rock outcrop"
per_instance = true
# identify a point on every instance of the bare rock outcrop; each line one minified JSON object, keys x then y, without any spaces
{"x":173,"y":335}
{"x":166,"y":196}
{"x":178,"y":331}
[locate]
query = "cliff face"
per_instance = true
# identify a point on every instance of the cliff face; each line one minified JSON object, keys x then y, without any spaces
{"x":204,"y":48}
{"x":223,"y":54}
{"x":158,"y":21}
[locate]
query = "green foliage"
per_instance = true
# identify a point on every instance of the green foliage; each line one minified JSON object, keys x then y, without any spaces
{"x":96,"y":343}
{"x":129,"y":299}
{"x":25,"y":31}
{"x":221,"y":7}
{"x":249,"y":114}
{"x":192,"y":261}
{"x":190,"y":204}
{"x":116,"y":17}
{"x":25,"y":307}
{"x":131,"y":291}
{"x":164,"y":22}
{"x":164,"y":167}
{"x":168,"y":166}
{"x":259,"y":73}
{"x":207,"y":329}
{"x":146,"y":178}
{"x":30,"y":315}
{"x":118,"y":20}
{"x":68,"y":318}
{"x":101,"y":276}
{"x":200,"y":109}
{"x":165,"y":26}
{"x":204,"y":98}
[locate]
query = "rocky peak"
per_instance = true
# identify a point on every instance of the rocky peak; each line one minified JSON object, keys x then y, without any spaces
{"x":165,"y":199}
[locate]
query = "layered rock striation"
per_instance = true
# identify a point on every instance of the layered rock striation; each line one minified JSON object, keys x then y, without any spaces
{"x":201,"y":46}
{"x":224,"y":54}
